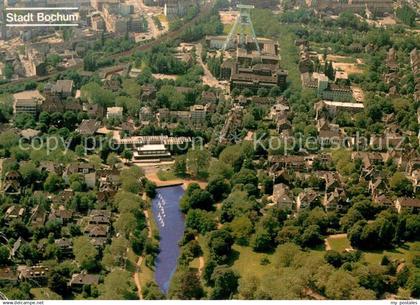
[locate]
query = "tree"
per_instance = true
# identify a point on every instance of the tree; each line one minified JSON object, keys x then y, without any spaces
{"x":8,"y":71}
{"x":150,"y":188}
{"x":225,"y":283}
{"x":8,"y":139}
{"x":285,"y":255}
{"x":115,"y":253}
{"x":311,"y":236}
{"x":127,"y":154}
{"x":248,"y":287}
{"x":85,"y":253}
{"x":333,"y":258}
{"x":340,"y":285}
{"x":126,"y":223}
{"x":151,"y":291}
{"x":53,"y":183}
{"x":200,"y":220}
{"x":29,"y":172}
{"x":112,"y":159}
{"x":89,"y":62}
{"x":197,"y":199}
{"x":186,"y":285}
{"x":241,"y":228}
{"x":58,"y":283}
{"x":401,"y":185}
{"x":220,"y":245}
{"x":197,"y":162}
{"x":180,"y":166}
{"x":414,"y":284}
{"x":406,"y":14}
{"x":118,"y":285}
{"x":262,"y":241}
{"x":218,"y":187}
{"x":4,"y":255}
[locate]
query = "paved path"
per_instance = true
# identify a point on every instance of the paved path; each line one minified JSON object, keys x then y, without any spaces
{"x":208,"y":78}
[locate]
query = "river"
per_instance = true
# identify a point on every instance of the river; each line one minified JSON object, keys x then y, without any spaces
{"x":170,"y":222}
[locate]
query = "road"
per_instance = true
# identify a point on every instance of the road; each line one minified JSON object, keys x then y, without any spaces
{"x":149,"y":12}
{"x":208,"y":78}
{"x":169,"y":35}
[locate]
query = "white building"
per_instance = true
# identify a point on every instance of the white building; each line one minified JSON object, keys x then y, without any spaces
{"x":114,"y":112}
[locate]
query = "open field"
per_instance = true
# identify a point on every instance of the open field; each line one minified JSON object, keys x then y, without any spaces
{"x":45,"y":294}
{"x":165,"y":175}
{"x":405,"y":252}
{"x":337,"y":242}
{"x":228,"y":17}
{"x":248,"y":263}
{"x":349,"y":68}
{"x":347,"y":64}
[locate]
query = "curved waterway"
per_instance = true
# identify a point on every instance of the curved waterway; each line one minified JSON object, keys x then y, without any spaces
{"x":170,"y":221}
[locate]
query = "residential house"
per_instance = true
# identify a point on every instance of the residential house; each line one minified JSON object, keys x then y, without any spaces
{"x":11,"y":183}
{"x":282,"y":196}
{"x":63,"y":88}
{"x":306,"y":199}
{"x":14,"y":212}
{"x":8,"y":276}
{"x":62,"y":214}
{"x":65,"y":245}
{"x":208,"y":97}
{"x":377,"y":186}
{"x":51,"y":167}
{"x":148,"y":92}
{"x":114,"y":112}
{"x":335,"y":200}
{"x":88,"y":127}
{"x":283,"y":124}
{"x":297,"y":163}
{"x":146,"y":114}
{"x":332,"y":181}
{"x":369,"y":159}
{"x":278,"y":110}
{"x":332,"y":108}
{"x":86,"y":169}
{"x":80,"y":280}
{"x":384,"y":201}
{"x":95,"y":111}
{"x":38,"y":217}
{"x":407,"y":204}
{"x":37,"y":273}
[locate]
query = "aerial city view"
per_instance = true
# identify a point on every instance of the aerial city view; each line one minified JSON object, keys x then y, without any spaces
{"x":209,"y":150}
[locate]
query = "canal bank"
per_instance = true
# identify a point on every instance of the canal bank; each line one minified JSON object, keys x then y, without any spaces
{"x":171,"y":224}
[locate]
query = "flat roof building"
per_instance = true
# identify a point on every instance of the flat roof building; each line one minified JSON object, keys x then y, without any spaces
{"x":27,"y":102}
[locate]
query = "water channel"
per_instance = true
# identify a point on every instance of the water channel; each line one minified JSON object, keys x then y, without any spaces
{"x":170,"y":221}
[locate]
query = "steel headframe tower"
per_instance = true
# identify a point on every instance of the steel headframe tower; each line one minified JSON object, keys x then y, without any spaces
{"x":242,"y":24}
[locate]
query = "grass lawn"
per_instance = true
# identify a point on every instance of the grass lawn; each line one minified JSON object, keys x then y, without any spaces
{"x":195,"y":263}
{"x":45,"y":294}
{"x":249,"y":262}
{"x":406,"y":252}
{"x":339,"y":243}
{"x":131,"y":260}
{"x":146,"y":274}
{"x":166,"y":175}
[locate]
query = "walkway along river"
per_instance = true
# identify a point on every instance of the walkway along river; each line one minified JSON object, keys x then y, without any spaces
{"x":170,"y":221}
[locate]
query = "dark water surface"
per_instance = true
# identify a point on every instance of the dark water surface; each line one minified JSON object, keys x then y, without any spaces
{"x":170,"y":222}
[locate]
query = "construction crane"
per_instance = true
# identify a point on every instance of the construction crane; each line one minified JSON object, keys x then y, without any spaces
{"x":243,"y":27}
